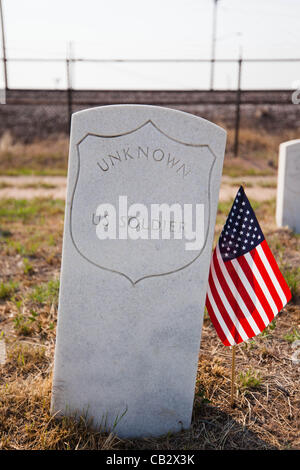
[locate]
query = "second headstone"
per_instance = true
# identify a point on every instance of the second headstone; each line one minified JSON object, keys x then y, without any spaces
{"x":288,"y":186}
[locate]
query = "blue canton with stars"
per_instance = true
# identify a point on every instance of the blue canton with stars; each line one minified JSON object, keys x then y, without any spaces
{"x":242,"y":232}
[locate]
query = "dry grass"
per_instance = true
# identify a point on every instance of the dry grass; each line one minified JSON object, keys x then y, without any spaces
{"x":267,"y":399}
{"x":258,"y":150}
{"x":25,"y":422}
{"x":47,"y":157}
{"x":259,"y":141}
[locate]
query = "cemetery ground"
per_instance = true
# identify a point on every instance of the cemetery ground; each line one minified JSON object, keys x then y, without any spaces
{"x":266,"y":415}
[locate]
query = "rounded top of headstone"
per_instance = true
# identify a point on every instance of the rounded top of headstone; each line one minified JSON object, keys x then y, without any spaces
{"x":290,"y":143}
{"x":181,"y":126}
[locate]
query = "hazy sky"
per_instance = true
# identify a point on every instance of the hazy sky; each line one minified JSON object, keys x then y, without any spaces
{"x":152,"y":29}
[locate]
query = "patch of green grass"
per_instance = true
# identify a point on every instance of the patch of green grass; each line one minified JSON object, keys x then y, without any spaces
{"x":270,"y":327}
{"x":249,"y":379}
{"x":249,"y":345}
{"x":46,"y":293}
{"x":12,"y":209}
{"x":38,"y":185}
{"x":275,"y":243}
{"x":15,"y":247}
{"x":23,"y":325}
{"x":292,"y":277}
{"x":206,"y":314}
{"x":28,"y":268}
{"x":26,"y":210}
{"x":292,"y":336}
{"x":268,"y":184}
{"x":264,"y":209}
{"x":224,"y":207}
{"x":26,"y":356}
{"x":31,"y":172}
{"x":235,"y":172}
{"x":51,"y":240}
{"x":18,"y":302}
{"x":7,"y":289}
{"x":201,"y":394}
{"x":31,"y":248}
{"x":256,"y":204}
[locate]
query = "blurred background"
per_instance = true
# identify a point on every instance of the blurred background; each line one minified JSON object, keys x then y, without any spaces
{"x":234,"y":63}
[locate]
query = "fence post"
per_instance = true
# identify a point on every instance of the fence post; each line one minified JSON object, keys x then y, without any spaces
{"x":69,"y":94}
{"x":213,"y":45}
{"x":238,"y":109}
{"x":3,"y":47}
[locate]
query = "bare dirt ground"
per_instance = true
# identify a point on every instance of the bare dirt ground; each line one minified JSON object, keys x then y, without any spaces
{"x":30,"y":187}
{"x":260,"y":188}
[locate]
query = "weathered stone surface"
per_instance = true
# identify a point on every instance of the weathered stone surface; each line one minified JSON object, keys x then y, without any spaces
{"x":131,"y":311}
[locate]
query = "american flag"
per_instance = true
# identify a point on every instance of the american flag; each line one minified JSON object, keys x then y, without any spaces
{"x":246,"y":289}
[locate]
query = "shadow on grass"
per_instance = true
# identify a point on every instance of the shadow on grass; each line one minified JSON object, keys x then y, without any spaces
{"x":211,"y":429}
{"x":219,"y":430}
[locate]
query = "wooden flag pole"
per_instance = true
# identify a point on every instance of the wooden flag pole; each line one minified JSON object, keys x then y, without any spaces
{"x":232,"y":377}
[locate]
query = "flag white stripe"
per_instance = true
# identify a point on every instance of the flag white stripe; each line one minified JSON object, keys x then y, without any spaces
{"x":219,"y":317}
{"x":261,"y":282}
{"x":227,"y":305}
{"x":236,"y":294}
{"x":239,"y":270}
{"x":271,"y":274}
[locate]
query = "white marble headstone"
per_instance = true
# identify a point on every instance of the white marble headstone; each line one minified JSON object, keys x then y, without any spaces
{"x":288,"y":186}
{"x":131,"y":310}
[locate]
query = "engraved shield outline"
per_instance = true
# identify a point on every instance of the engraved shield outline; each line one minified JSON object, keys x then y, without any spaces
{"x":149,"y":122}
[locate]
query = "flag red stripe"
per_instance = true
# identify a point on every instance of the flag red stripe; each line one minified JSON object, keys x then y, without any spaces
{"x":256,"y":287}
{"x":245,"y":296}
{"x":266,"y":278}
{"x":216,"y":324}
{"x":276,"y":270}
{"x":246,"y":287}
{"x":230,"y":325}
{"x":231,"y":299}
